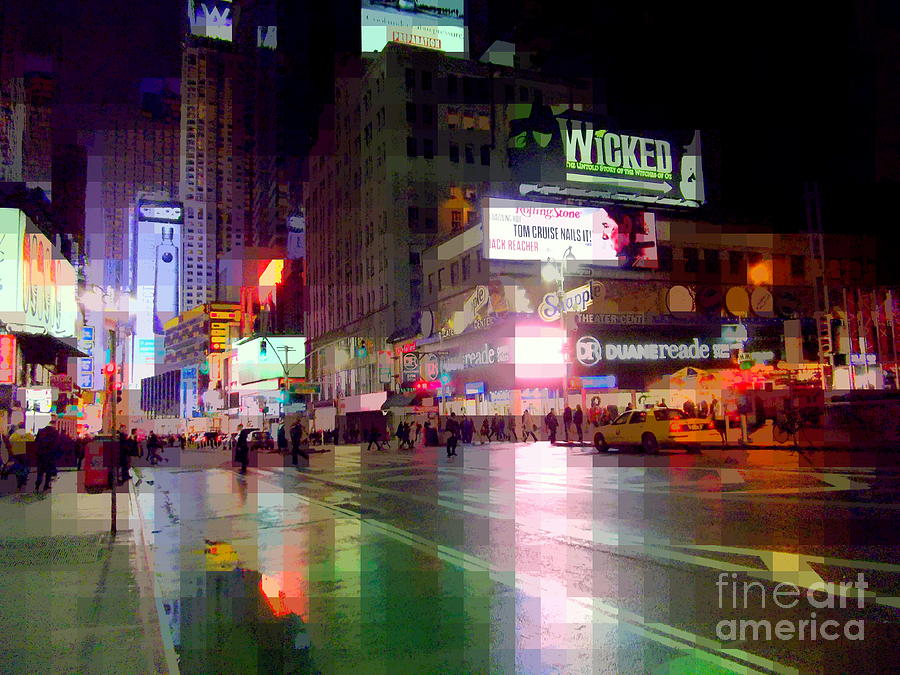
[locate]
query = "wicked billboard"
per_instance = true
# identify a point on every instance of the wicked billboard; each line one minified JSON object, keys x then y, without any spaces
{"x":556,"y":150}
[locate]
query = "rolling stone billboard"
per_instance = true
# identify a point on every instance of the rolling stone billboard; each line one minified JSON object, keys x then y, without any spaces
{"x":436,"y":24}
{"x":556,"y":150}
{"x":612,"y":236}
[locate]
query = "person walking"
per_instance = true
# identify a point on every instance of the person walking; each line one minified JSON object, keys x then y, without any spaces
{"x":46,"y":447}
{"x":242,"y":451}
{"x":552,"y":424}
{"x":282,"y":439}
{"x":124,"y":455}
{"x":80,"y":445}
{"x":153,"y":446}
{"x":513,"y":436}
{"x":567,"y":422}
{"x":495,"y":427}
{"x":578,"y":420}
{"x":373,"y":437}
{"x":485,"y":431}
{"x":452,"y":428}
{"x":296,"y":438}
{"x":20,"y":441}
{"x":528,"y":426}
{"x":467,"y":427}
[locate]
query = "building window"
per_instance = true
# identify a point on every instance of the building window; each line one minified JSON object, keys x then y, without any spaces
{"x":427,"y":114}
{"x":665,"y":258}
{"x":470,"y":153}
{"x":486,"y":155}
{"x":428,"y":148}
{"x":426,"y":80}
{"x":456,"y":219}
{"x":735,"y":259}
{"x":451,"y":85}
{"x":509,"y":93}
{"x":454,"y":274}
{"x":523,"y":94}
{"x":410,"y":78}
{"x":430,"y":284}
{"x":478,"y":262}
{"x":454,"y":153}
{"x":691,"y":260}
{"x":441,"y":279}
{"x":466,"y":267}
{"x":410,"y":147}
{"x":711,"y":261}
{"x":412,"y":215}
{"x":411,"y":113}
{"x":414,"y":259}
{"x":798,"y":266}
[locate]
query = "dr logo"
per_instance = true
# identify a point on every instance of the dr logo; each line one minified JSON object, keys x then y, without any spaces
{"x":588,"y":351}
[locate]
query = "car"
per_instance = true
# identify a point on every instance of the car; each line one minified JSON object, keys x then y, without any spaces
{"x":261,"y":440}
{"x":656,"y":428}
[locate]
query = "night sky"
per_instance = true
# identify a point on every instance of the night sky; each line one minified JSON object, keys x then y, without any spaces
{"x":787,"y":92}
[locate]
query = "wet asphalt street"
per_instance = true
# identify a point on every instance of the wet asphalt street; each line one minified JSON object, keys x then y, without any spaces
{"x":514,"y":558}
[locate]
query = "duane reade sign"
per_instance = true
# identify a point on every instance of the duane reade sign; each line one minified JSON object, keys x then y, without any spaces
{"x":590,"y":351}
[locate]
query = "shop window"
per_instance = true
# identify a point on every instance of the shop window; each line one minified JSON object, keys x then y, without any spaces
{"x":427,"y":114}
{"x":735,"y":260}
{"x":456,"y":219}
{"x":711,"y":261}
{"x":486,"y":155}
{"x":691,"y":260}
{"x":410,"y":78}
{"x":428,"y":148}
{"x":441,"y":279}
{"x":470,"y":153}
{"x":665,"y":258}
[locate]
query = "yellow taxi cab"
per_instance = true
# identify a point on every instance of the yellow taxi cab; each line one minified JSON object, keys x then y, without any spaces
{"x":656,"y":428}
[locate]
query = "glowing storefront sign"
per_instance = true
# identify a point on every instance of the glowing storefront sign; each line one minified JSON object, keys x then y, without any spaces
{"x":437,"y":24}
{"x":590,"y":351}
{"x":576,"y":300}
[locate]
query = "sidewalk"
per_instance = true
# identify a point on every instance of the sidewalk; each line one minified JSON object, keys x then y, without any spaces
{"x":73,"y":599}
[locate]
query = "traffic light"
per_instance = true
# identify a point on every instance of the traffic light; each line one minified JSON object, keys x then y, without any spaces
{"x":110,"y":369}
{"x":262,"y":347}
{"x":445,"y":379}
{"x":118,"y":396}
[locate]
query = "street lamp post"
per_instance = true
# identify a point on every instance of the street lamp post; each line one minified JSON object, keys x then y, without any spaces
{"x":554,"y":271}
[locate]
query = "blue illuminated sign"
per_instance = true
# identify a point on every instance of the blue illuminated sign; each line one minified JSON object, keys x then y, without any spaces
{"x":599,"y":382}
{"x":473,"y":388}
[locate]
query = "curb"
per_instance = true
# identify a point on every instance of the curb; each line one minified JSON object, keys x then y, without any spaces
{"x":162,"y":646}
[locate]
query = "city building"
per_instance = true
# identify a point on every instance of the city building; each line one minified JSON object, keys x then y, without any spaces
{"x":414,"y":140}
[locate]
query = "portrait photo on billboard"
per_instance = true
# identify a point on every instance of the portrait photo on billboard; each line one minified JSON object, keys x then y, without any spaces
{"x":554,"y":146}
{"x":612,"y":236}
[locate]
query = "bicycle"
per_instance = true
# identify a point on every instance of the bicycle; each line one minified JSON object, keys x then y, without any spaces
{"x":792,"y":426}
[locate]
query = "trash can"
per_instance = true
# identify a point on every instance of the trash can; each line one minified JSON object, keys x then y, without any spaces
{"x":100,"y":454}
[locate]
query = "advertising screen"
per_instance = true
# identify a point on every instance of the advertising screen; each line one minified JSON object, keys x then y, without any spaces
{"x":256,"y":363}
{"x":522,"y":230}
{"x":554,"y":149}
{"x":211,"y":18}
{"x":37,"y":284}
{"x":433,"y":24}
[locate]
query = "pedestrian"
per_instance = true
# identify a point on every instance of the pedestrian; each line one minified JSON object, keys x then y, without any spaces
{"x":46,"y":449}
{"x":398,"y":434}
{"x":528,"y":426}
{"x":552,"y":424}
{"x":662,"y":403}
{"x":154,"y":445}
{"x":418,"y":433}
{"x":704,"y":408}
{"x":182,"y":441}
{"x":720,"y":420}
{"x":567,"y":421}
{"x":485,"y":431}
{"x":124,"y":455}
{"x":452,"y":428}
{"x":512,"y":429}
{"x":282,"y":439}
{"x":372,"y":437}
{"x":242,"y":453}
{"x":468,"y":429}
{"x":501,"y":429}
{"x":495,"y":427}
{"x":578,"y":420}
{"x":80,"y":445}
{"x":296,"y":438}
{"x":714,"y":408}
{"x":629,"y":406}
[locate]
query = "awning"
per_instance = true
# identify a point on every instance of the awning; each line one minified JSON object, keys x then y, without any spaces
{"x":403,"y":400}
{"x":45,"y":349}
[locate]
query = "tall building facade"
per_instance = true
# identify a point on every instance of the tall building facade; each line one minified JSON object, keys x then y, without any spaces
{"x":214,"y":162}
{"x":128,"y":157}
{"x":414,"y":140}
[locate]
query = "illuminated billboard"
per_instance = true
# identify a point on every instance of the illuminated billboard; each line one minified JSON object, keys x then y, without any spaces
{"x":523,"y":230}
{"x":211,"y":18}
{"x":37,"y":283}
{"x":555,"y":149}
{"x":433,"y":24}
{"x":257,"y":362}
